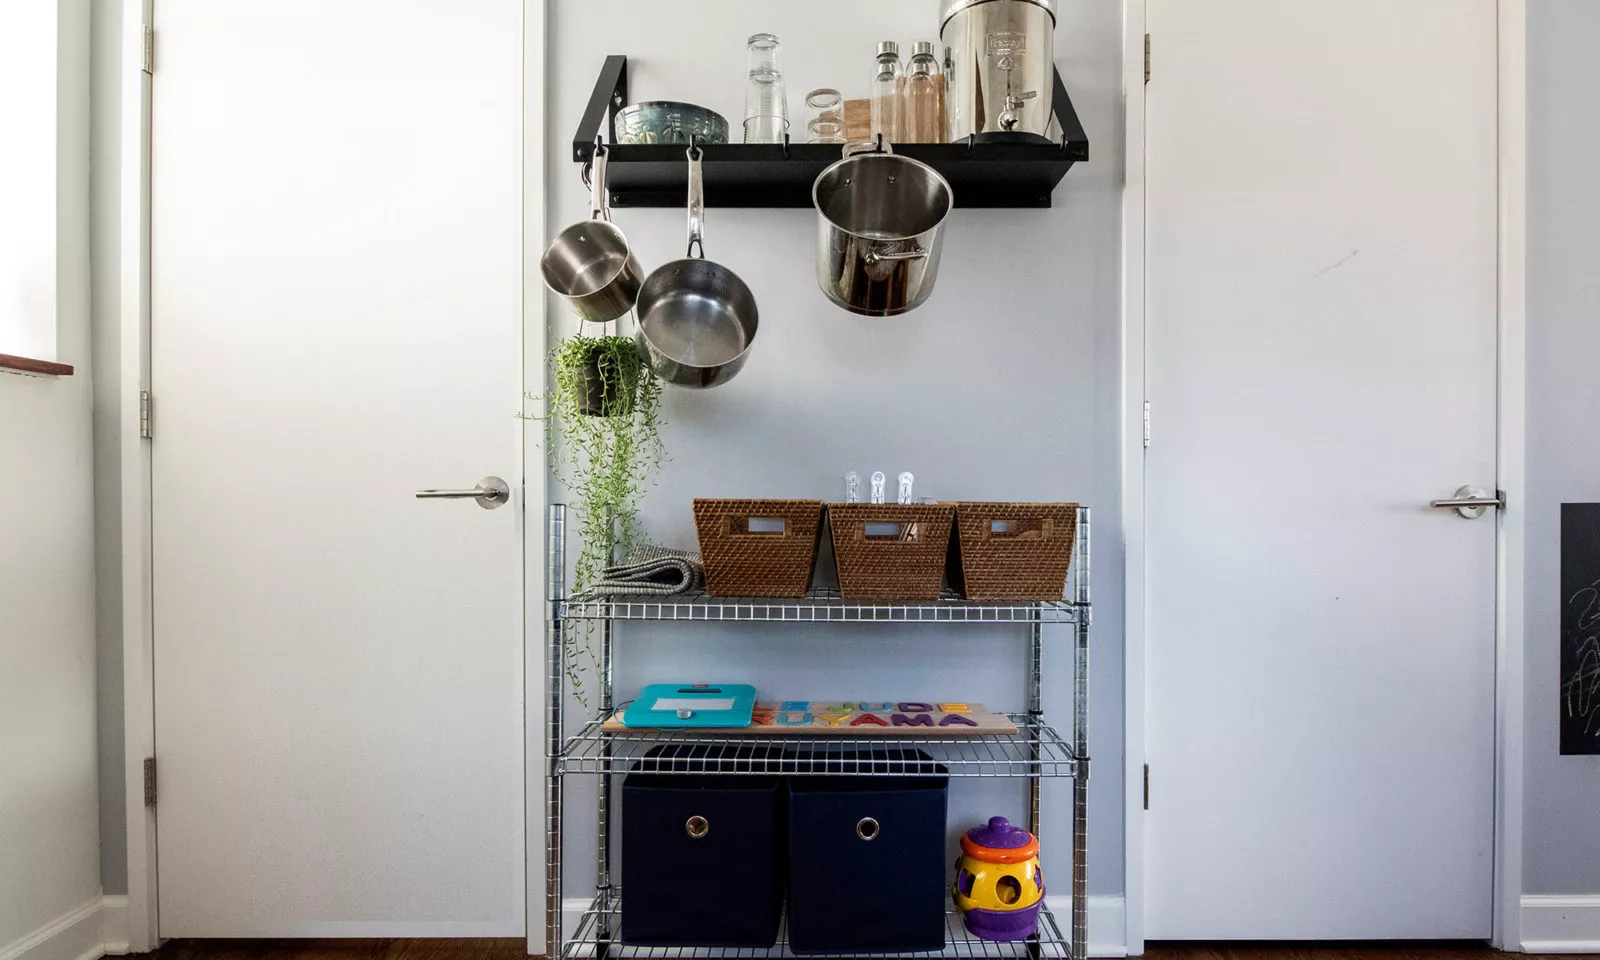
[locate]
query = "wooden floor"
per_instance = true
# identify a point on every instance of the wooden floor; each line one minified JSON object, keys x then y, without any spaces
{"x":504,"y":949}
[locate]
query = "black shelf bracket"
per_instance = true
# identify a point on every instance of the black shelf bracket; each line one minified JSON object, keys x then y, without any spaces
{"x":610,"y":95}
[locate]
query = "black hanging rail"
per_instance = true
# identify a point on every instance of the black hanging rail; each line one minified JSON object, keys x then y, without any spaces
{"x":981,"y":174}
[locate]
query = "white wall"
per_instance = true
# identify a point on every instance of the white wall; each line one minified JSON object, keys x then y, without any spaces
{"x":1004,"y":386}
{"x":104,"y":199}
{"x":1561,"y":843}
{"x":49,"y":858}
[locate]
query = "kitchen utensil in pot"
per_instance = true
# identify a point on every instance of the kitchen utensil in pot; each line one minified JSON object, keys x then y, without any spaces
{"x":880,"y":221}
{"x":589,"y":265}
{"x":667,"y":121}
{"x":697,"y":319}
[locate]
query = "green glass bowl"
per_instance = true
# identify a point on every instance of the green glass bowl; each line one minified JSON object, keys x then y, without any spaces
{"x":667,"y":121}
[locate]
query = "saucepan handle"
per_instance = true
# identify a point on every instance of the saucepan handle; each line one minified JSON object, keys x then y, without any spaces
{"x":598,"y":210}
{"x":697,"y":204}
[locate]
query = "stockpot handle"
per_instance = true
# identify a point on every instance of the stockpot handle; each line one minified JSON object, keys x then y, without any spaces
{"x":697,"y":203}
{"x":875,"y":145}
{"x":597,"y":185}
{"x":873,"y":256}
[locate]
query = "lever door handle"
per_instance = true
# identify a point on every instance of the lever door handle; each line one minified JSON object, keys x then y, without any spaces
{"x":490,"y":493}
{"x":1471,"y":502}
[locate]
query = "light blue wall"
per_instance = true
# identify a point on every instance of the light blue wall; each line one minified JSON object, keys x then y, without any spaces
{"x":1561,"y":836}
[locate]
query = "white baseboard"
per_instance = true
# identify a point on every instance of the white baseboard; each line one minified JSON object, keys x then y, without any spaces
{"x":77,"y":934}
{"x":1558,"y":924}
{"x":114,"y":928}
{"x":1107,"y":921}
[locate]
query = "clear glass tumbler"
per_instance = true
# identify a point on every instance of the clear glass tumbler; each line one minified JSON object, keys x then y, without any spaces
{"x":825,"y":112}
{"x":766,"y":104}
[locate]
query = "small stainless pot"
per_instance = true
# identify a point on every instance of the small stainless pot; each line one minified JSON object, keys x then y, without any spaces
{"x":589,"y":265}
{"x":880,"y":221}
{"x":697,"y":319}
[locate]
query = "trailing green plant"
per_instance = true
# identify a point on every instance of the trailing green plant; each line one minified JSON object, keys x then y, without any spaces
{"x":603,"y":435}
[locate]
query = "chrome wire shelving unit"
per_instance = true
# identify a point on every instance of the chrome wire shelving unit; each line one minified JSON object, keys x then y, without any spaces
{"x":604,"y":914}
{"x":1036,"y":752}
{"x":820,"y":605}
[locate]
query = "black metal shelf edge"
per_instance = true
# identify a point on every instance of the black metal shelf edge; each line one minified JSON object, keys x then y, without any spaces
{"x":981,"y":174}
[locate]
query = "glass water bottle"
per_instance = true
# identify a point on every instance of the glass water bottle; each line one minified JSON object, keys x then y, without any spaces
{"x":888,"y":102}
{"x":924,"y":106}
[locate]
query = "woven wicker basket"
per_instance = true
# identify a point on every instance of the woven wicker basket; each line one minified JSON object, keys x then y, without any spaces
{"x":740,"y":562}
{"x":891,"y":551}
{"x":1014,"y":551}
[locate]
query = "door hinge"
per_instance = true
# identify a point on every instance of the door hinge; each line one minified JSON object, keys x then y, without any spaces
{"x":144,"y":414}
{"x":149,"y":781}
{"x":1147,"y":58}
{"x":149,"y":49}
{"x":1147,"y":786}
{"x":1147,"y":423}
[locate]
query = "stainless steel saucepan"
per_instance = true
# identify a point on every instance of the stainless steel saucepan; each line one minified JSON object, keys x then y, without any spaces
{"x":697,"y":319}
{"x":589,"y":265}
{"x":880,"y":220}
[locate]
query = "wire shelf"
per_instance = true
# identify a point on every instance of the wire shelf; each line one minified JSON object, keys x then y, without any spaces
{"x":590,"y":939}
{"x":820,"y":605}
{"x":1035,"y":750}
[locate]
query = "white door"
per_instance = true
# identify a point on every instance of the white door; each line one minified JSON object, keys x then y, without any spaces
{"x":336,"y":323}
{"x":1321,"y":284}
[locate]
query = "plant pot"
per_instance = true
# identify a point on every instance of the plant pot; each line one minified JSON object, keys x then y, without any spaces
{"x":597,"y":397}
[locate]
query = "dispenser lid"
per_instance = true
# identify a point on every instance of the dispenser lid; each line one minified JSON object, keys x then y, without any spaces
{"x":999,"y":842}
{"x":950,"y":8}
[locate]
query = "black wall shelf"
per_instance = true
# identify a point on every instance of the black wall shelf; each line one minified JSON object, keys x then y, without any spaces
{"x":780,"y":175}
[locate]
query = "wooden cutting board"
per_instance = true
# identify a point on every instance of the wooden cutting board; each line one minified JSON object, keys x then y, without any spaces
{"x":833,"y":718}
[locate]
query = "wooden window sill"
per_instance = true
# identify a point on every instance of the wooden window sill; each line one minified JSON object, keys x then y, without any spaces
{"x":46,"y":368}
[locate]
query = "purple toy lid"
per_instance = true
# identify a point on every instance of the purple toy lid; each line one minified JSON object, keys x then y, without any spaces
{"x":1000,"y":835}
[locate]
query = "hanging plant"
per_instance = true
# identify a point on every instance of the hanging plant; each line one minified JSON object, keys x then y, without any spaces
{"x":603,"y":426}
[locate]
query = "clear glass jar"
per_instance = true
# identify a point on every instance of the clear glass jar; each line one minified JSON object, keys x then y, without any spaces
{"x":924,"y":107}
{"x":888,"y":100}
{"x":825,"y":116}
{"x":766,"y":104}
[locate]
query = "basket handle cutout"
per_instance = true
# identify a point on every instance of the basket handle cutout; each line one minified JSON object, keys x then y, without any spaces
{"x":758,"y":526}
{"x":897,"y":532}
{"x":1028,"y":528}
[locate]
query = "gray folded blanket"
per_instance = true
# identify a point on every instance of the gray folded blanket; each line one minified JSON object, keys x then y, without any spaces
{"x":652,"y":571}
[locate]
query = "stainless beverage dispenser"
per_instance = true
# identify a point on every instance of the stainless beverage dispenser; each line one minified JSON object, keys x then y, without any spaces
{"x":998,"y":68}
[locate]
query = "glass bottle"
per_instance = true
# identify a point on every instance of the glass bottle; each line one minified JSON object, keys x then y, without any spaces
{"x":924,"y":96}
{"x":766,"y":104}
{"x":888,"y":102}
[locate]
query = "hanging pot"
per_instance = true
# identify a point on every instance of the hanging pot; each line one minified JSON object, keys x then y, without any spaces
{"x":880,"y":221}
{"x":590,"y":265}
{"x":697,"y":319}
{"x":602,"y":390}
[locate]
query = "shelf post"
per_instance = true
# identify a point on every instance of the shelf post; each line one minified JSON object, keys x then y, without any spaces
{"x":602,"y":866}
{"x":610,"y":95}
{"x":1080,"y":747}
{"x":555,"y":667}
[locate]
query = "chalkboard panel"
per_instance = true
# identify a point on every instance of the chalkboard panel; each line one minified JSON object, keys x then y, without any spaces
{"x":1580,"y":628}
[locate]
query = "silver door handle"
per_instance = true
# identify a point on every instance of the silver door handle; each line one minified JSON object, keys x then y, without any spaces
{"x":490,"y":492}
{"x":1471,"y":502}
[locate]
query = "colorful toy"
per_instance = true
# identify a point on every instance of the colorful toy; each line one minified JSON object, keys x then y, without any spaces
{"x":723,"y":708}
{"x":998,"y":881}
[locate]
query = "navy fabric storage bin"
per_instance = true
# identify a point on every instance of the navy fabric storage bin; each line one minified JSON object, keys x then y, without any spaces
{"x":702,"y":855}
{"x":867,"y":857}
